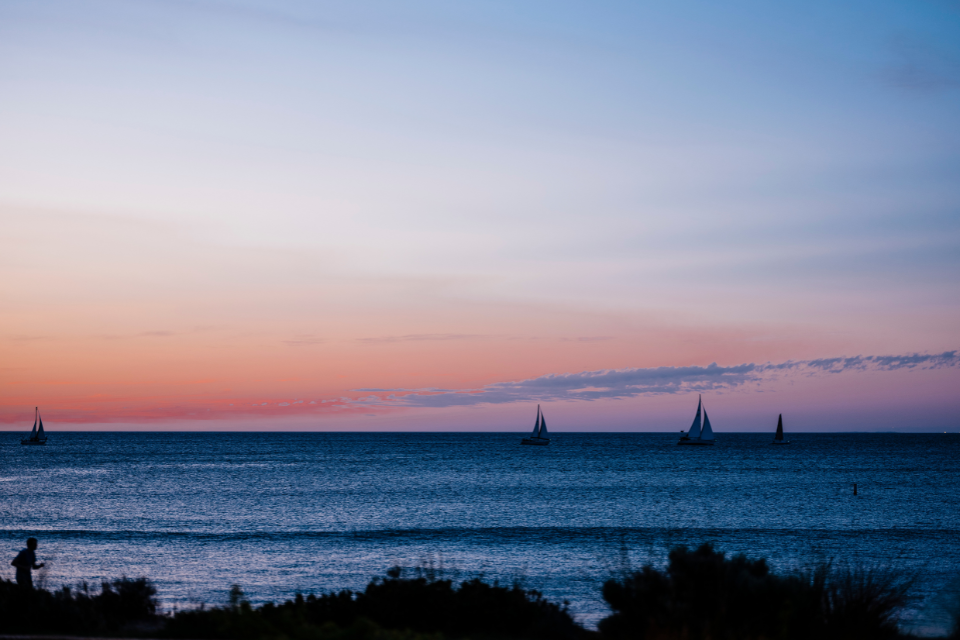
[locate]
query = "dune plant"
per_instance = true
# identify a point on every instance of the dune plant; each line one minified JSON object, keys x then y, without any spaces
{"x":704,"y":594}
{"x":419,"y":605}
{"x":120,"y":605}
{"x":699,"y":594}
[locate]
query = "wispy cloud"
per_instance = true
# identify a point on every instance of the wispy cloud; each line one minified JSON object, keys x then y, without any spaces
{"x":879,"y":363}
{"x":305,"y":340}
{"x":626,"y":383}
{"x":161,"y":333}
{"x":421,"y":337}
{"x":438,"y":337}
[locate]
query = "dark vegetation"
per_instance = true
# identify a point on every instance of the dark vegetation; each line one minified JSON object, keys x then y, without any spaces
{"x":704,"y":594}
{"x":120,"y":605}
{"x":700,"y":594}
{"x":392,"y":608}
{"x":424,"y":605}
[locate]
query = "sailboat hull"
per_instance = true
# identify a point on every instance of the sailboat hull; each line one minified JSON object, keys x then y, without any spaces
{"x":694,"y":441}
{"x":537,"y":441}
{"x":33,"y":441}
{"x":780,"y":442}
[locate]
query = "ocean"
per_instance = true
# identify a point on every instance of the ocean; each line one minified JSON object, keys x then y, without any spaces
{"x":279,"y":513}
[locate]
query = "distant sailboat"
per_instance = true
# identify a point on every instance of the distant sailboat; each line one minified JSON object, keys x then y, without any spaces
{"x":699,"y":434}
{"x":539,"y":431}
{"x":778,"y":439}
{"x":37,"y":436}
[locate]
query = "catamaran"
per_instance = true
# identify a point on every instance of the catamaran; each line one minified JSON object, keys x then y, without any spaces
{"x":698,"y":434}
{"x":539,"y":431}
{"x":37,"y":436}
{"x":778,"y":439}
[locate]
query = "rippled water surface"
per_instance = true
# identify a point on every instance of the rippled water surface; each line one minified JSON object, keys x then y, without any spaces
{"x":280,"y":513}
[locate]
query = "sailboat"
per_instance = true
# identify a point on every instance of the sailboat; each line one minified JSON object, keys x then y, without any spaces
{"x":37,"y":436}
{"x":778,"y":439}
{"x":539,"y":435}
{"x":698,"y":434}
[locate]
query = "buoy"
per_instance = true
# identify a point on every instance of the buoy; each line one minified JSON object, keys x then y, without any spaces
{"x":854,"y":488}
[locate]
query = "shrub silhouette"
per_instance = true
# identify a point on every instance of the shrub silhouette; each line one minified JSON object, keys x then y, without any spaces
{"x":863,"y":603}
{"x":120,"y":604}
{"x":700,"y":594}
{"x":704,"y":594}
{"x":421,"y":605}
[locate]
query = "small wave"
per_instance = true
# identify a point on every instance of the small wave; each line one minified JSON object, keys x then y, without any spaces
{"x":497,"y":535}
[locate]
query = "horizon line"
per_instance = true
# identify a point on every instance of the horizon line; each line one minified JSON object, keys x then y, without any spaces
{"x":248,"y":431}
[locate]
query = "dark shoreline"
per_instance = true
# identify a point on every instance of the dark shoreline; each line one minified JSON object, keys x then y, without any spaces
{"x":700,"y":594}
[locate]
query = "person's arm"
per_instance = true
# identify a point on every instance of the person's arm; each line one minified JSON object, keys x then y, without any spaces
{"x":23,"y":563}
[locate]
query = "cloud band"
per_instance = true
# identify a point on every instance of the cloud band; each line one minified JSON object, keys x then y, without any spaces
{"x":627,"y":383}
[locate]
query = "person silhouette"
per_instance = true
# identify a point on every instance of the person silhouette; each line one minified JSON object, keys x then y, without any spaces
{"x":25,"y":562}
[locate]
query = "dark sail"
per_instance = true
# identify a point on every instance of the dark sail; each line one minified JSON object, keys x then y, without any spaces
{"x":779,"y":435}
{"x":706,"y":434}
{"x":539,"y":431}
{"x":37,"y":436}
{"x":695,"y":427}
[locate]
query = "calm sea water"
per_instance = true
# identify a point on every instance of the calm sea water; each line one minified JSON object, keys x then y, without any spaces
{"x":280,"y":513}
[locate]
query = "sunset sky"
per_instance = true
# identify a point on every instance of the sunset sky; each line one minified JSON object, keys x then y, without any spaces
{"x":436,"y":215}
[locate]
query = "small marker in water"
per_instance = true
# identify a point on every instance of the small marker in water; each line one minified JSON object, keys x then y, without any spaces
{"x":854,"y":488}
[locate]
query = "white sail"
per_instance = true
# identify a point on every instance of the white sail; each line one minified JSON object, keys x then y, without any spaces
{"x":543,"y":426}
{"x":536,"y":424}
{"x":707,"y":433}
{"x":695,"y":427}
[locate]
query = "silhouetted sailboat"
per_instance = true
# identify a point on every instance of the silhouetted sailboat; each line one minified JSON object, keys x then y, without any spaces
{"x":778,"y":439}
{"x":539,"y":431}
{"x":37,"y":436}
{"x":699,"y":434}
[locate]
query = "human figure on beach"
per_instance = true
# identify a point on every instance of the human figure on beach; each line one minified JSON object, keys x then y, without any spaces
{"x":25,"y":562}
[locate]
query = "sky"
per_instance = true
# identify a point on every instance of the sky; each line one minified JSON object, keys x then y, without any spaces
{"x":433,"y":216}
